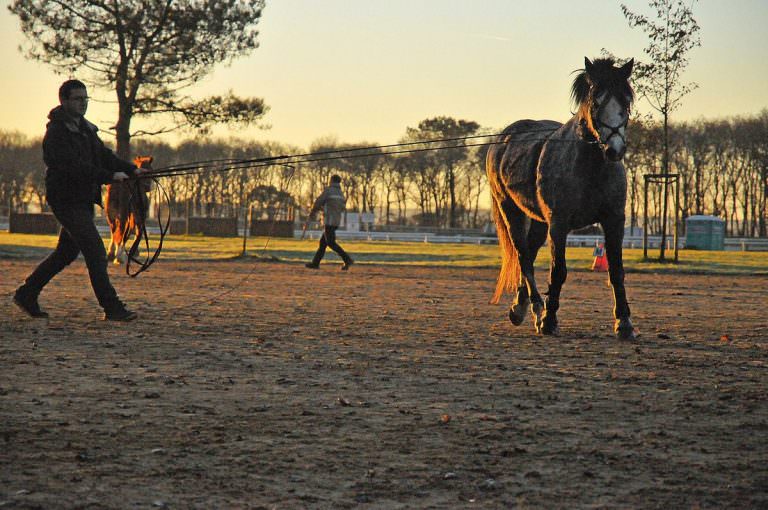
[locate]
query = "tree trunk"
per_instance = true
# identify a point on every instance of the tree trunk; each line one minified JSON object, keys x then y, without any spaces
{"x":734,"y":210}
{"x":745,"y":212}
{"x":665,"y":169}
{"x":388,"y":203}
{"x":452,"y":190}
{"x":764,"y":205}
{"x":124,"y":112}
{"x":632,"y":205}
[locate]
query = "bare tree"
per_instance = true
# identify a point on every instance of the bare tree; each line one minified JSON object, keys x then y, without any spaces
{"x":759,"y":137}
{"x":673,"y":34}
{"x":474,"y":186}
{"x":21,"y":170}
{"x":697,"y":144}
{"x":361,"y":172}
{"x":389,"y":176}
{"x":446,"y":159}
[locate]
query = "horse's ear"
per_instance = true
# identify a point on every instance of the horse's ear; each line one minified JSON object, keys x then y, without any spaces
{"x":588,"y":67}
{"x":626,"y":69}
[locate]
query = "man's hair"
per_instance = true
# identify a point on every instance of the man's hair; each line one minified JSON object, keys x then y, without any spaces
{"x":336,"y":178}
{"x":68,"y":86}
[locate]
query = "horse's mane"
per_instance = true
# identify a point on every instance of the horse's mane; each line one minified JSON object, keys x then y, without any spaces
{"x":606,"y":77}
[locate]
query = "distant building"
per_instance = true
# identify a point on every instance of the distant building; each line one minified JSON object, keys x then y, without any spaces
{"x":355,"y":222}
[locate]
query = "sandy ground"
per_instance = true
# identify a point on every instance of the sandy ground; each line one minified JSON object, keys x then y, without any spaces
{"x":267,"y":385}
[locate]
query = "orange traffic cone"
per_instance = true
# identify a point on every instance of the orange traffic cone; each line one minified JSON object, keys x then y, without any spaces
{"x":600,"y":263}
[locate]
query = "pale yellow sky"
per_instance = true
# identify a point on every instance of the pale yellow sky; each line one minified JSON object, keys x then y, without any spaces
{"x":365,"y":70}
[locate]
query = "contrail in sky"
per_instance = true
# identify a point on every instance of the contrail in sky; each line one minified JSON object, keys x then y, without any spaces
{"x":492,"y":37}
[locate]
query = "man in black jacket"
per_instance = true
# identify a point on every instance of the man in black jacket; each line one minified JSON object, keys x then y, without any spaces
{"x":77,"y":164}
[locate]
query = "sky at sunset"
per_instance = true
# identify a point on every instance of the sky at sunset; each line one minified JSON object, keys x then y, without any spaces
{"x":365,"y":70}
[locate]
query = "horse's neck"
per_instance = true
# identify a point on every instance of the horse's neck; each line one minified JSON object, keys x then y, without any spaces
{"x":570,"y":133}
{"x":577,"y":129}
{"x":579,"y":152}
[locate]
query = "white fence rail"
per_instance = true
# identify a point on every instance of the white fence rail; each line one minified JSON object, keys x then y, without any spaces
{"x":654,"y":242}
{"x":731,"y":243}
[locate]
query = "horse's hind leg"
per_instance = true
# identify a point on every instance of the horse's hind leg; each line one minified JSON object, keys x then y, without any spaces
{"x":526,"y":291}
{"x":614,"y":237}
{"x":537,"y":233}
{"x":520,"y":305}
{"x":558,"y":272}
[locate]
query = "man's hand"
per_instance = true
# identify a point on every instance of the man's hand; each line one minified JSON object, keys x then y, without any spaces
{"x":120,"y":176}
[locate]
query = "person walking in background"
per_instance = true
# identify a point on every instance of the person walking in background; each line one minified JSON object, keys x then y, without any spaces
{"x":78,"y":164}
{"x":333,"y":203}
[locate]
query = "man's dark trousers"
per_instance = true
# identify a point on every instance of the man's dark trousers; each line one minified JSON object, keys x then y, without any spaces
{"x":78,"y":234}
{"x":328,"y":239}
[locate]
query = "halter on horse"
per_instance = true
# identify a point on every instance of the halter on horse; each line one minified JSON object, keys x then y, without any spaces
{"x":546,"y":188}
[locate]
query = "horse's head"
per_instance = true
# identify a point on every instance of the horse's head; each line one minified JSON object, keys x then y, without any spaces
{"x":604,"y":97}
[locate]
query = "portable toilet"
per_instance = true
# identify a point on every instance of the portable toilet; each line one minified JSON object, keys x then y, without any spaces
{"x":704,"y":233}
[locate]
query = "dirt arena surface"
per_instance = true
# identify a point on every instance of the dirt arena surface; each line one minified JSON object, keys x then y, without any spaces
{"x":384,"y":387}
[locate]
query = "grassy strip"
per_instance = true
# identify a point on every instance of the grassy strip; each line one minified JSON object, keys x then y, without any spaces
{"x":401,"y":253}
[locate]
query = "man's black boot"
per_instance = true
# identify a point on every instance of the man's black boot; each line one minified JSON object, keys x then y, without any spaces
{"x":28,"y":303}
{"x":120,"y":315}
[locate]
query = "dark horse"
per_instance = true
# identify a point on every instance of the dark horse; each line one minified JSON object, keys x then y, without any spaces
{"x":549,"y":178}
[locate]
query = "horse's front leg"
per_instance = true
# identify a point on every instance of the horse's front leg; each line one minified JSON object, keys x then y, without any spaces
{"x":121,"y":256}
{"x":614,"y":238}
{"x":112,"y":246}
{"x":558,"y":272}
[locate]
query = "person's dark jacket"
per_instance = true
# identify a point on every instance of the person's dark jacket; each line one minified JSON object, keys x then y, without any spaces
{"x":77,"y":161}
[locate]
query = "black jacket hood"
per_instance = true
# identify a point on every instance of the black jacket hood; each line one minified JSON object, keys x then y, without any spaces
{"x":58,"y":114}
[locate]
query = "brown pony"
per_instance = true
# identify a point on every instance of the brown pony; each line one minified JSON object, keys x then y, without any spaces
{"x":549,"y":178}
{"x":121,"y":212}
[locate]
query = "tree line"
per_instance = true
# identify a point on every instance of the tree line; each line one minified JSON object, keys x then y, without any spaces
{"x":722,"y":164}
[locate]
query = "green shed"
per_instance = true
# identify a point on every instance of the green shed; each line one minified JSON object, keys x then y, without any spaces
{"x":704,"y":233}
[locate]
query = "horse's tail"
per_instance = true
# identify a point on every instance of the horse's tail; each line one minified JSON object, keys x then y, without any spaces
{"x":509,"y":274}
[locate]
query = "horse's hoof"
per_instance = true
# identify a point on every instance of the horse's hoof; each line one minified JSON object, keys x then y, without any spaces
{"x":624,"y":329}
{"x":626,"y":334}
{"x":549,"y":325}
{"x":537,"y":314}
{"x":517,"y":312}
